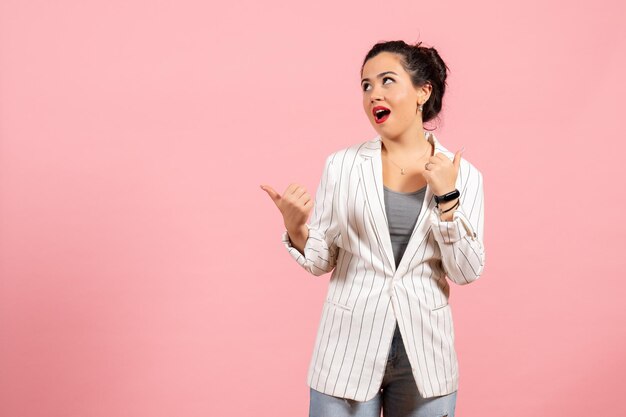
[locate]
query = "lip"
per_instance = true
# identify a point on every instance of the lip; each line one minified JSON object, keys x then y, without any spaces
{"x":375,"y":109}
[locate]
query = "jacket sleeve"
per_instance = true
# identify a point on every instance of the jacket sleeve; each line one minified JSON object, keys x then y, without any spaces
{"x":320,"y":250}
{"x":461,"y":239}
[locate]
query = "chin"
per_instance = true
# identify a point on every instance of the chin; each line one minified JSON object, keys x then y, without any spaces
{"x":385,"y":128}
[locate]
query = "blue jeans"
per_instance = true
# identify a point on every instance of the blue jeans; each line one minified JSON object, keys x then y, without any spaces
{"x":398,"y":396}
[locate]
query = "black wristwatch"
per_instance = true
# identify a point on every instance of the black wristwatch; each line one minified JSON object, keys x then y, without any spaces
{"x":447,"y":197}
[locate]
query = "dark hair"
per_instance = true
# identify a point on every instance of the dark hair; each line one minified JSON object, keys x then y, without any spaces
{"x":424,"y":65}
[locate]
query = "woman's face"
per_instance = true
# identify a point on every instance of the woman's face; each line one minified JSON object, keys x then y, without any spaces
{"x":386,"y":84}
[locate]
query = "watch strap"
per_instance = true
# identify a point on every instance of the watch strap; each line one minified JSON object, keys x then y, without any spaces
{"x":447,"y":197}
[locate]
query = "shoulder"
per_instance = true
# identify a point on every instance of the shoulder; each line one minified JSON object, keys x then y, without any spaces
{"x":347,"y":156}
{"x":469,"y":169}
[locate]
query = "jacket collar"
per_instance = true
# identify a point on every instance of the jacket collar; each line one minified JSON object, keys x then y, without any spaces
{"x":373,"y":147}
{"x":371,"y":174}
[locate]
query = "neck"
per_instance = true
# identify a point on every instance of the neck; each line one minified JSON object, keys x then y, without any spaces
{"x":408,"y":146}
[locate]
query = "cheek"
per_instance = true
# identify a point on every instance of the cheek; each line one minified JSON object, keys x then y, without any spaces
{"x":406,"y":105}
{"x":404,"y":110}
{"x":403,"y":98}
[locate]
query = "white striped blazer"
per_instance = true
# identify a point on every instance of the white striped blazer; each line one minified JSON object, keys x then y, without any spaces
{"x":349,"y":235}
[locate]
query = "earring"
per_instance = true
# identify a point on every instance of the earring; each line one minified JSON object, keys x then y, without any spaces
{"x":421,"y":107}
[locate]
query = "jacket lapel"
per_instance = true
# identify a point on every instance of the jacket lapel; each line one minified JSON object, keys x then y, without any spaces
{"x":370,"y":171}
{"x":371,"y":174}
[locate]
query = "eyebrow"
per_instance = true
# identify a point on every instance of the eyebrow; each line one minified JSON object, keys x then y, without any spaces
{"x":379,"y":75}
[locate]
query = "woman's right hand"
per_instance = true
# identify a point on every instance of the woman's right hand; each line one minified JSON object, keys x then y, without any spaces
{"x":295,"y":205}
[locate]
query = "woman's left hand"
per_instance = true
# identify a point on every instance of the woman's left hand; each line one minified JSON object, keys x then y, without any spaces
{"x":442,"y":173}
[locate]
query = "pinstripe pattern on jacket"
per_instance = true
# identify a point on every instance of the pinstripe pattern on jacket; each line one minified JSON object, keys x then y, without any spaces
{"x":367,"y":294}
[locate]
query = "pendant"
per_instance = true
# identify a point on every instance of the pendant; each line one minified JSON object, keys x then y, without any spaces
{"x":402,"y":171}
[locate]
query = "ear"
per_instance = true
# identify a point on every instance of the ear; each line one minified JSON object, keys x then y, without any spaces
{"x":427,"y":90}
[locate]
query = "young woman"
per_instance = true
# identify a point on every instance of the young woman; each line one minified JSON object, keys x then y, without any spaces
{"x":393,"y":217}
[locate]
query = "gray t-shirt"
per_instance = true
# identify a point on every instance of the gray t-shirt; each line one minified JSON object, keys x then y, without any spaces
{"x":403,"y":210}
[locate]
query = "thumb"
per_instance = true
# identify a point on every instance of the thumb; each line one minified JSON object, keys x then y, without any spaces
{"x":271,"y":192}
{"x":457,"y":158}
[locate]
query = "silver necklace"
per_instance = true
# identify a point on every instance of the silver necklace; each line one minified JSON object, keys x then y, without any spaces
{"x":402,"y":169}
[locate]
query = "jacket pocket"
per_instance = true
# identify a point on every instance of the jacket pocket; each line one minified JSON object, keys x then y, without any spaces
{"x":440,"y":307}
{"x":338,"y":305}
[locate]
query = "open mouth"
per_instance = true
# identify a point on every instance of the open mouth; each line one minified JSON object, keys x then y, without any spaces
{"x":381,"y":113}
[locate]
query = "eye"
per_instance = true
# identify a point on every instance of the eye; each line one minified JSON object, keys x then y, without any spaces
{"x":384,"y":78}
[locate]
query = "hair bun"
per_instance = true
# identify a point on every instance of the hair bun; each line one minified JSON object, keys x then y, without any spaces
{"x":439,"y":66}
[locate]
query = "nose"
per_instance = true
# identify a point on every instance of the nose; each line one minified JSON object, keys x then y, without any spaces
{"x":375,"y":95}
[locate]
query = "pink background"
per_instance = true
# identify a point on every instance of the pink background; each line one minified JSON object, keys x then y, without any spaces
{"x":142,"y":272}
